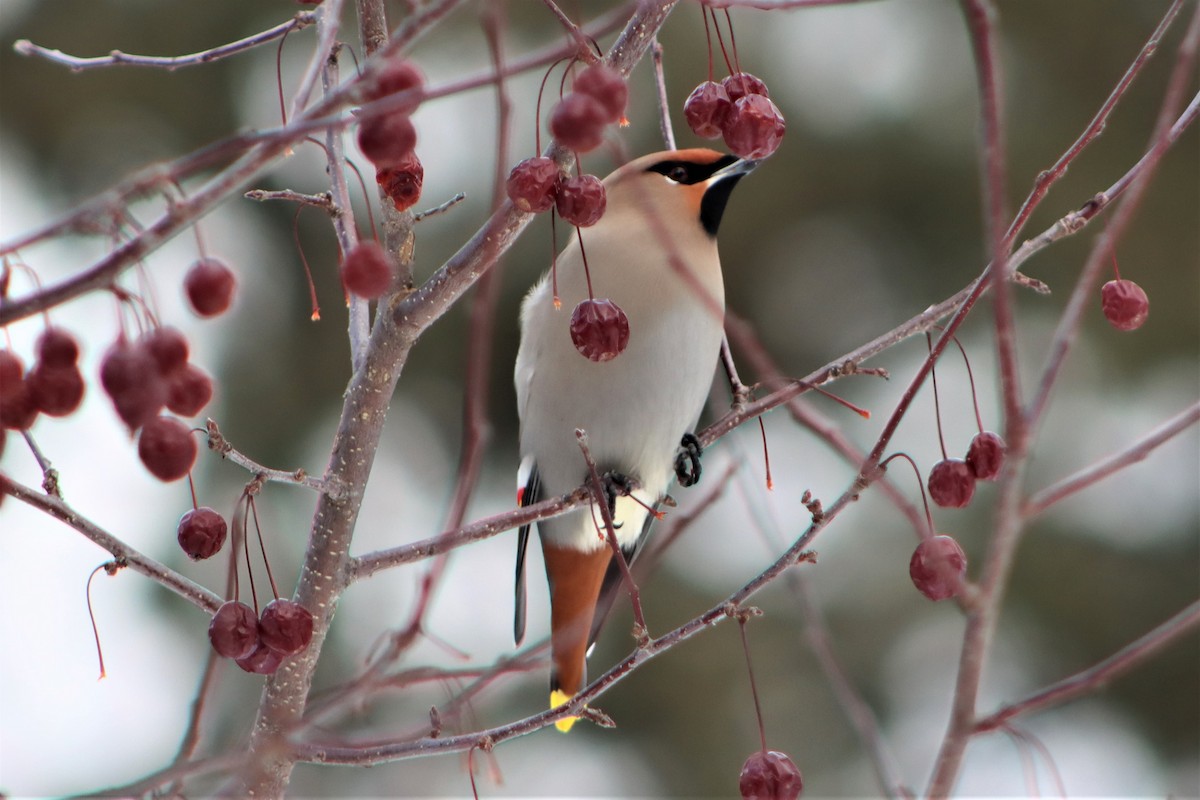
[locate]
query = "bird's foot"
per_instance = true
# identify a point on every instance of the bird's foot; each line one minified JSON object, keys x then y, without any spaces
{"x":617,"y":484}
{"x":687,"y":461}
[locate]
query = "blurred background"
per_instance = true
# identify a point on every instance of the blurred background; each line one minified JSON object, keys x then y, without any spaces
{"x":868,"y":213}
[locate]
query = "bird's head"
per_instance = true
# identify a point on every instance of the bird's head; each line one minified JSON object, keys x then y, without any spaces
{"x":680,"y":186}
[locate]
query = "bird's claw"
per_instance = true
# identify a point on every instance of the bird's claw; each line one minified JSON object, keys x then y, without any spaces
{"x":617,"y":484}
{"x":687,"y":461}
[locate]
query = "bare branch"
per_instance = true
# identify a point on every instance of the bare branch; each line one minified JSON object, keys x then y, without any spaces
{"x":116,"y":58}
{"x":195,"y":594}
{"x":1097,"y":472}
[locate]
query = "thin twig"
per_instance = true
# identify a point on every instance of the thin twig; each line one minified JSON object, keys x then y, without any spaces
{"x":195,"y":594}
{"x":1097,"y":472}
{"x":664,"y":106}
{"x":440,"y":208}
{"x":298,"y":477}
{"x":323,"y":201}
{"x":116,"y":58}
{"x":1099,"y":674}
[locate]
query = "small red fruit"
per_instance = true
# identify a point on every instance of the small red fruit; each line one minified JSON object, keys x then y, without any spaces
{"x":19,"y":409}
{"x":366,"y":270}
{"x":581,"y":200}
{"x":578,"y":122}
{"x":599,"y":329}
{"x":189,"y":391}
{"x":262,"y":660}
{"x":706,"y":110}
{"x":167,"y":448}
{"x":532,"y":184}
{"x":169,"y":347}
{"x":285,"y":626}
{"x":740,"y":84}
{"x":937,"y":567}
{"x":607,"y":86}
{"x":1125,"y":304}
{"x":770,"y":775}
{"x":755,"y":127}
{"x":129,"y":375}
{"x":386,"y":139}
{"x":56,"y":390}
{"x":402,"y":181}
{"x":233,"y":631}
{"x":12,"y":372}
{"x":985,"y":456}
{"x":951,"y":483}
{"x":209,"y":285}
{"x":56,"y":347}
{"x":396,"y":75}
{"x":201,"y":533}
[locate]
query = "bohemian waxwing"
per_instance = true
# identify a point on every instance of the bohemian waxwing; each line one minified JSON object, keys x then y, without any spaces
{"x":654,"y":254}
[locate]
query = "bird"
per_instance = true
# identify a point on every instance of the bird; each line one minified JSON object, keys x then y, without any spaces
{"x":654,"y":254}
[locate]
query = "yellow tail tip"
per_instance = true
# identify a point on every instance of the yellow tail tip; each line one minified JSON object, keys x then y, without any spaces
{"x":558,"y":698}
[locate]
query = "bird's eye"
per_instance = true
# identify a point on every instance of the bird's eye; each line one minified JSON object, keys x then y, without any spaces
{"x":678,"y":174}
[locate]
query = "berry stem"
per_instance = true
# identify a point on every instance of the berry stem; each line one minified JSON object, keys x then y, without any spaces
{"x":1116,"y":269}
{"x":971,"y":380}
{"x":366,"y":198}
{"x":537,"y":109}
{"x":762,"y":733}
{"x":707,"y":41}
{"x":262,"y":546}
{"x":920,"y":484}
{"x":937,"y":406}
{"x":92,"y":617}
{"x":312,"y":289}
{"x":192,"y":488}
{"x":721,"y":41}
{"x":733,"y":44}
{"x":554,"y":258}
{"x":586,"y":273}
{"x":246,"y":551}
{"x":766,"y":454}
{"x":279,"y":77}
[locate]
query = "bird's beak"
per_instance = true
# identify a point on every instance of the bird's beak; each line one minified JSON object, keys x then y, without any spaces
{"x":737,"y":168}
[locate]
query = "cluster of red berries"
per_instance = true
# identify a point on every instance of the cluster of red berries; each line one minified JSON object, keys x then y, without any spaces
{"x":367,"y":270}
{"x":597,"y":99}
{"x":54,"y":386}
{"x":738,"y":109}
{"x":951,"y":482}
{"x":770,"y":775}
{"x":536,"y":185}
{"x":259,"y":643}
{"x":389,"y":139}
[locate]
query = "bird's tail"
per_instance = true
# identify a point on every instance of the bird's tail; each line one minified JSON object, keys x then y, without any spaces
{"x":575,"y":577}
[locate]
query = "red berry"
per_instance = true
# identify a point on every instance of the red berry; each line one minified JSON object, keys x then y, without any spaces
{"x":262,"y":660}
{"x":1125,"y":304}
{"x":386,"y":139}
{"x":985,"y":456}
{"x":169,"y":347}
{"x":754,"y":127}
{"x":770,"y":775}
{"x":209,"y":285}
{"x":366,"y":270}
{"x":285,"y":626}
{"x":19,"y":409}
{"x":599,"y":329}
{"x":56,"y":390}
{"x":233,"y":631}
{"x":740,"y":84}
{"x":532,"y":184}
{"x":937,"y":567}
{"x":607,"y":86}
{"x":12,"y":372}
{"x":951,"y":483}
{"x":201,"y":533}
{"x":56,"y":347}
{"x":396,"y":75}
{"x":581,"y":200}
{"x":189,"y":391}
{"x":129,"y":374}
{"x":706,"y":110}
{"x":402,"y":181}
{"x":578,"y":122}
{"x":167,"y":448}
